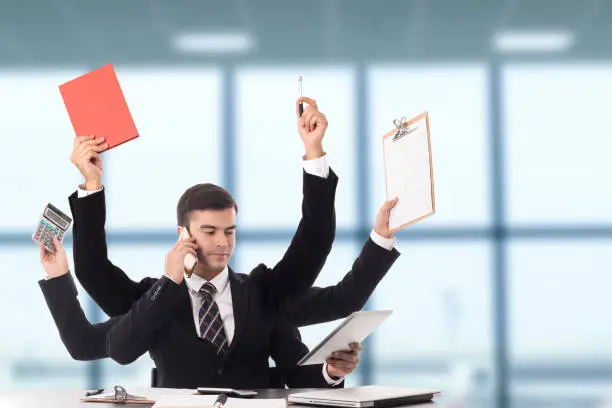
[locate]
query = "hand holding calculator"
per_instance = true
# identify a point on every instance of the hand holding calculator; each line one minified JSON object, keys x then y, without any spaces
{"x":53,"y":222}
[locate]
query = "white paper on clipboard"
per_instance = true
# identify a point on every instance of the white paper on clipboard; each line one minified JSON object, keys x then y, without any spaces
{"x":409,"y":171}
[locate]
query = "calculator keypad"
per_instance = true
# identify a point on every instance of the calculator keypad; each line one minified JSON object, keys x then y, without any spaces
{"x":45,"y":232}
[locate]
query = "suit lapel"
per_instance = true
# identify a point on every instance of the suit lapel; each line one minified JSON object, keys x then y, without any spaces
{"x":240,"y":303}
{"x":185,"y":311}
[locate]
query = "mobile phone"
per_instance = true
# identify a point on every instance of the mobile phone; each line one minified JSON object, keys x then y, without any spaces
{"x":190,"y":260}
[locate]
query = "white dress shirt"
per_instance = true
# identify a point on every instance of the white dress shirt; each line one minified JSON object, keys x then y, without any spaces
{"x":223,"y":297}
{"x":317,"y":167}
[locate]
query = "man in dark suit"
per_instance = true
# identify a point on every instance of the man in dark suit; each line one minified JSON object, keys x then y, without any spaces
{"x":85,"y":341}
{"x":184,"y":351}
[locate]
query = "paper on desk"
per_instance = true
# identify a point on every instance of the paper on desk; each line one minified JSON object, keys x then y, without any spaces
{"x":205,"y":401}
{"x":409,"y":173}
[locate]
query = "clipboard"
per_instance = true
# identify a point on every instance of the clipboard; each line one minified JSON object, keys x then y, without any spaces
{"x":96,"y":106}
{"x":409,"y":171}
{"x":120,"y":396}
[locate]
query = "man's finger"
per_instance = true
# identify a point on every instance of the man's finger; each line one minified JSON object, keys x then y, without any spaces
{"x":313,"y":121}
{"x":42,"y":251}
{"x":344,"y":356}
{"x":388,"y":205}
{"x":309,"y":101}
{"x":342,"y":365}
{"x":183,"y":243}
{"x":81,"y":139}
{"x":191,"y":251}
{"x":88,"y":144}
{"x":57,"y":244}
{"x":90,"y":154}
{"x":391,"y":203}
{"x":356,"y":346}
{"x":100,"y":148}
{"x":306,"y":118}
{"x":188,"y":245}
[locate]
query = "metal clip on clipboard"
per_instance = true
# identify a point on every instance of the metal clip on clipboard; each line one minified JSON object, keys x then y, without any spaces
{"x":402,"y":128}
{"x":121,"y":396}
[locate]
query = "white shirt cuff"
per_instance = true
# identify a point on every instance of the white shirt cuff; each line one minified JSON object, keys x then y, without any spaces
{"x":387,"y":243}
{"x":328,"y":379}
{"x":317,"y":167}
{"x":81,"y":192}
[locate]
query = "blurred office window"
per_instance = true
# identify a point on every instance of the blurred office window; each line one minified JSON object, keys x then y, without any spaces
{"x":269,"y":149}
{"x":557,"y":139}
{"x":559,"y":299}
{"x":36,"y":168}
{"x":439,"y":334}
{"x":32,"y":354}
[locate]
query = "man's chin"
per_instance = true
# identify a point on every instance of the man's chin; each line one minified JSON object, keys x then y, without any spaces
{"x":215,"y":266}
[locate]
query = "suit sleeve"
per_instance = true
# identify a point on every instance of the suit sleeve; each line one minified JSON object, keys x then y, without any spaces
{"x":83,"y":340}
{"x":319,"y":305}
{"x":298,"y":269}
{"x":287,"y":349}
{"x":106,"y":283}
{"x":133,"y":334}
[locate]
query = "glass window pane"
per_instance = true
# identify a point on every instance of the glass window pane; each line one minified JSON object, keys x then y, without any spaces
{"x":456,"y":98}
{"x":269,"y":154}
{"x":35,"y":162}
{"x":558,"y":142}
{"x":559,"y":308}
{"x":439,"y":334}
{"x":32,"y":354}
{"x":177,"y":113}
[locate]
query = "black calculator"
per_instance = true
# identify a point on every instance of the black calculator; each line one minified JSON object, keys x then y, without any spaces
{"x":52,"y":222}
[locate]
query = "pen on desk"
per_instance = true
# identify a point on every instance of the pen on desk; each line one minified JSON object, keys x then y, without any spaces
{"x":300,"y":95}
{"x":221,"y":400}
{"x":91,"y":393}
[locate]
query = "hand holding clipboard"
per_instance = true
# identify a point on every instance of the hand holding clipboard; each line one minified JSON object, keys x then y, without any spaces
{"x":409,"y":171}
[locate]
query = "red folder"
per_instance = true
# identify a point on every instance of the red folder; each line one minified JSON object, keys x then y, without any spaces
{"x":96,"y":106}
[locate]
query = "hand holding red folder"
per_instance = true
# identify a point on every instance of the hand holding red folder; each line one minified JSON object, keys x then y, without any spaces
{"x":96,"y":106}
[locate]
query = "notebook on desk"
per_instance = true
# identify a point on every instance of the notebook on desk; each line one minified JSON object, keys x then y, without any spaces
{"x":367,"y":396}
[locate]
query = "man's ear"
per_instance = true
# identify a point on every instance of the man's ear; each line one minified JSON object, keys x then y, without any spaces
{"x":183,"y":232}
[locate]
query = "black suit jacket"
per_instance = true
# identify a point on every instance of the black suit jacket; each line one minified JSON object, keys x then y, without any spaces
{"x":86,"y":342}
{"x":161,"y":322}
{"x":183,"y":359}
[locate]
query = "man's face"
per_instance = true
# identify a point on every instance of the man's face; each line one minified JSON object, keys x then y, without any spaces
{"x":215,"y":234}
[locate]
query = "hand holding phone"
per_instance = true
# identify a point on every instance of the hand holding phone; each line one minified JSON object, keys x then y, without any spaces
{"x":182,"y":255}
{"x":190,"y":260}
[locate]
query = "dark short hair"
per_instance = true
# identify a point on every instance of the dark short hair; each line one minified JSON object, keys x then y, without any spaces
{"x":206,"y":196}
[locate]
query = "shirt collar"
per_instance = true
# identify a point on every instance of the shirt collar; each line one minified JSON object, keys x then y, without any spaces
{"x":195,"y":283}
